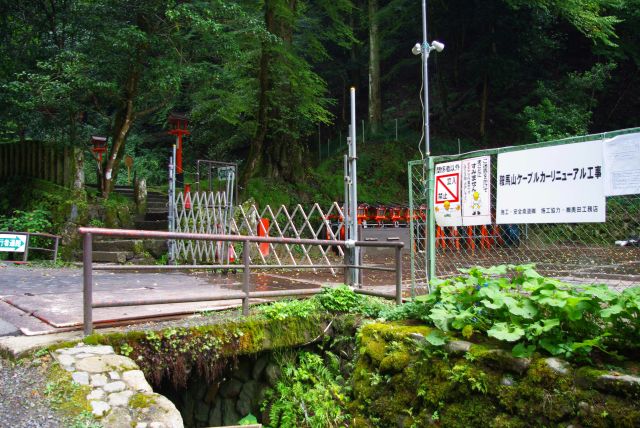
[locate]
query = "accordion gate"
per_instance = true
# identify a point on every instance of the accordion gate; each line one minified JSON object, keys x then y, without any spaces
{"x":212,"y":212}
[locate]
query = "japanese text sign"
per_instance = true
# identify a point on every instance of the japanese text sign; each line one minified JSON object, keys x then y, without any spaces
{"x":448,"y":209}
{"x":557,"y":184}
{"x":13,"y":242}
{"x":476,"y":191}
{"x":622,"y":165}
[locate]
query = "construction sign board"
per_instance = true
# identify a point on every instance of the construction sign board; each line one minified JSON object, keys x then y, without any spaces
{"x":476,"y":191}
{"x":556,"y":184}
{"x":448,"y":209}
{"x":622,"y":165}
{"x":10,"y":242}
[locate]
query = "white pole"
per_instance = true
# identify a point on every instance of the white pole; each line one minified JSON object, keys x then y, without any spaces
{"x":396,"y":129}
{"x":425,"y":77}
{"x":353,"y":200}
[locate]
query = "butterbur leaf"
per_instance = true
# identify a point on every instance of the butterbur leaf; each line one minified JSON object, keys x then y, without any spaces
{"x":530,"y":273}
{"x":494,"y":270}
{"x":523,"y":351}
{"x":552,"y":346}
{"x":497,"y":304}
{"x":505,"y":331}
{"x":440,"y":317}
{"x":550,"y":324}
{"x":522,"y":308}
{"x":436,"y":338}
{"x":611,"y":310}
{"x":602,"y":292}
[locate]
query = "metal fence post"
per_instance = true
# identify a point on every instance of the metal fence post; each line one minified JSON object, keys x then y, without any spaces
{"x":245,"y":277}
{"x":399,"y":275}
{"x":87,"y":295}
{"x":56,"y":243}
{"x":431,"y":226}
{"x":25,"y":256}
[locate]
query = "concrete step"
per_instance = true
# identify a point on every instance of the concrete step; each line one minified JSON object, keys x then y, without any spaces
{"x":156,"y":215}
{"x":155,"y":247}
{"x":120,"y":257}
{"x":152,"y":225}
{"x":130,"y":245}
{"x":157,"y":205}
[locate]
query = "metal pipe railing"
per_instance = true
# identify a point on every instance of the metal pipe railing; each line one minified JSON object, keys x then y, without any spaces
{"x":29,"y":247}
{"x":245,"y":295}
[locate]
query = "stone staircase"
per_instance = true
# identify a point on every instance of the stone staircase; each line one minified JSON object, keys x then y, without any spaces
{"x":120,"y":251}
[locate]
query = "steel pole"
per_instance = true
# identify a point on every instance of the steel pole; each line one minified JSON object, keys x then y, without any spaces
{"x":345,"y":212}
{"x":425,"y":77}
{"x":87,"y":283}
{"x":353,"y":199}
{"x":398,"y":275}
{"x":246,"y":274}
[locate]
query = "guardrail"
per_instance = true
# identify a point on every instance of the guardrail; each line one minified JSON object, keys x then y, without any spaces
{"x":246,"y":266}
{"x":28,"y":235}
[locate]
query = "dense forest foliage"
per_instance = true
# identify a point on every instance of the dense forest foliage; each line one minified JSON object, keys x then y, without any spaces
{"x":265,"y":83}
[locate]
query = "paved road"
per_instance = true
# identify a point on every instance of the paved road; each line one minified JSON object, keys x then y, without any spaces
{"x":40,"y":301}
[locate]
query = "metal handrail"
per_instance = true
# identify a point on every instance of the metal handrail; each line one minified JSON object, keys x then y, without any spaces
{"x":245,"y":295}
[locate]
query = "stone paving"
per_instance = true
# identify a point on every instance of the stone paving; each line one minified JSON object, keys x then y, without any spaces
{"x":120,"y":395}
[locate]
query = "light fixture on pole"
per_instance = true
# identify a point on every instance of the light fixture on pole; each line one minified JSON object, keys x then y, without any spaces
{"x":425,"y":49}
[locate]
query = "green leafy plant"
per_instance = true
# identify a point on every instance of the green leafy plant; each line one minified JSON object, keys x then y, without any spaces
{"x":284,"y":309}
{"x":248,"y":420}
{"x":311,"y":393}
{"x":37,"y":220}
{"x":339,"y":299}
{"x":516,"y":305}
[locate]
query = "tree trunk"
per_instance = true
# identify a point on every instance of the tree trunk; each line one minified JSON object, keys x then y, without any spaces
{"x":375,"y":102}
{"x":274,"y":152}
{"x":122,"y":125}
{"x":255,"y":150}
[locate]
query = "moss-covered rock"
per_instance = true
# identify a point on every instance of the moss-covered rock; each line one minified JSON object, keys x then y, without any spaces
{"x":400,"y":382}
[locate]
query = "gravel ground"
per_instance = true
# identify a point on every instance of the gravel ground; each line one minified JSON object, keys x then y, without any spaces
{"x":22,"y":401}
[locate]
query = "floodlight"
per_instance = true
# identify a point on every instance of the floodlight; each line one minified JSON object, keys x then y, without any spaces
{"x":438,"y":46}
{"x":417,"y":49}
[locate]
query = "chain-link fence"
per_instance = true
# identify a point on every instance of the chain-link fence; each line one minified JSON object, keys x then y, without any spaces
{"x":587,"y":252}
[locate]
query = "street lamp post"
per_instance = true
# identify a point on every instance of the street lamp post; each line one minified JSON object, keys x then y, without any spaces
{"x":425,"y":49}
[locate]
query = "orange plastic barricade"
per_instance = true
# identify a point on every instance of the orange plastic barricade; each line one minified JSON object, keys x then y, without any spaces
{"x":471,"y":243}
{"x":455,"y":238}
{"x":232,"y":253}
{"x":440,"y":242}
{"x":485,"y":241}
{"x":187,"y":197}
{"x":496,"y":235}
{"x":263,"y":230}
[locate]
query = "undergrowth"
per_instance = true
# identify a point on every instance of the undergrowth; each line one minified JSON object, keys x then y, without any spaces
{"x":516,"y":305}
{"x":310,"y":393}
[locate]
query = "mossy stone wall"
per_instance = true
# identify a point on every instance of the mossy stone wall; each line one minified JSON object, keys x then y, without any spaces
{"x":400,"y":380}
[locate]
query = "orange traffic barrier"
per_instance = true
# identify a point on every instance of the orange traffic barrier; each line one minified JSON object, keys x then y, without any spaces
{"x":263,"y":230}
{"x":471,"y":242}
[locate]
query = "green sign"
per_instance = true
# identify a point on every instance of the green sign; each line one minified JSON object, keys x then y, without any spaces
{"x":13,"y":243}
